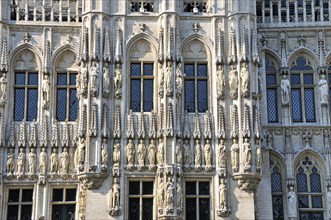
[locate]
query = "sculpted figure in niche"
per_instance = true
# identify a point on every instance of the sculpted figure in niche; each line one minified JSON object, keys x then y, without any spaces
{"x":151,"y":153}
{"x":187,"y":153}
{"x":223,"y":194}
{"x":104,"y":153}
{"x":54,"y":161}
{"x":220,"y":81}
{"x":324,"y":90}
{"x":292,"y":203}
{"x":244,"y":80}
{"x":235,"y":155}
{"x":32,"y":159}
{"x":141,"y":151}
{"x":64,"y":163}
{"x":247,"y":152}
{"x":46,"y":86}
{"x":94,"y":76}
{"x":130,"y":151}
{"x":221,"y":153}
{"x":285,"y":86}
{"x":233,"y":82}
{"x":161,"y":193}
{"x":208,"y":153}
{"x":179,"y":154}
{"x":168,"y":78}
{"x":10,"y":161}
{"x":3,"y":86}
{"x":116,"y":194}
{"x":160,"y":152}
{"x":198,"y":157}
{"x":42,"y":160}
{"x":118,"y":79}
{"x":117,"y":154}
{"x":106,"y":79}
{"x":84,"y":77}
{"x":170,"y":192}
{"x":179,"y":195}
{"x":20,"y":163}
{"x":179,"y":78}
{"x":161,"y":79}
{"x":79,"y":157}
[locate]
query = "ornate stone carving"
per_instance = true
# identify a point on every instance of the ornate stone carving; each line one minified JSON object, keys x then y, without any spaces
{"x":258,"y":155}
{"x":161,"y":45}
{"x":95,"y":54}
{"x":55,"y":137}
{"x":118,"y":46}
{"x":115,"y":205}
{"x":94,"y":75}
{"x":233,"y":82}
{"x":105,"y":80}
{"x":151,"y":152}
{"x":170,"y":193}
{"x":118,"y":80}
{"x":20,"y":163}
{"x":247,"y":153}
{"x":21,"y":137}
{"x":82,"y":79}
{"x":234,"y":122}
{"x":44,"y":132}
{"x":292,"y":203}
{"x":106,"y":49}
{"x":223,"y":210}
{"x":94,"y":121}
{"x":12,"y":132}
{"x":196,"y":131}
{"x":141,"y":154}
{"x":186,"y":127}
{"x":179,"y":121}
{"x":198,"y":156}
{"x":82,"y":202}
{"x":64,"y":163}
{"x":235,"y":155}
{"x":117,"y":122}
{"x":247,"y":181}
{"x":65,"y":135}
{"x":104,"y":154}
{"x":130,"y":155}
{"x":221,"y":154}
{"x":160,"y":192}
{"x":232,"y":47}
{"x":244,"y":80}
{"x":306,"y":137}
{"x":246,"y":121}
{"x":4,"y":55}
{"x":3,"y":89}
{"x":160,"y":153}
{"x":79,"y":157}
{"x":43,"y":161}
{"x":257,"y":128}
{"x":161,"y":80}
{"x":179,"y":194}
{"x":82,"y":121}
{"x":117,"y":154}
{"x":10,"y":165}
{"x":2,"y":130}
{"x":33,"y":135}
{"x":141,"y":126}
{"x":160,"y":121}
{"x":285,"y":86}
{"x":169,"y":126}
{"x":152,"y":125}
{"x":32,"y":162}
{"x":323,"y":88}
{"x":179,"y":153}
{"x":207,"y":130}
{"x":221,"y":122}
{"x":47,"y":55}
{"x":130,"y":123}
{"x":208,"y":153}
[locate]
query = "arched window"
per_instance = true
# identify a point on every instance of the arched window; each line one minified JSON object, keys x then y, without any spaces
{"x":271,"y":83}
{"x":309,"y":189}
{"x":302,"y":89}
{"x":276,"y":189}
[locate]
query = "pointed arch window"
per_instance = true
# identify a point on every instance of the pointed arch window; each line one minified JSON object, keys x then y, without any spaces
{"x":302,"y":90}
{"x":271,"y":83}
{"x":276,"y":190}
{"x":309,"y":189}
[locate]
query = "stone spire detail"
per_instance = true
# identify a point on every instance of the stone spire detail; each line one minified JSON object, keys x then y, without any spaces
{"x":55,"y":135}
{"x":65,"y":135}
{"x":178,"y":47}
{"x":4,"y":55}
{"x":161,"y":45}
{"x":255,"y":48}
{"x":83,"y":46}
{"x":105,"y":130}
{"x":141,"y":126}
{"x":96,"y":44}
{"x":170,"y":123}
{"x":106,"y":47}
{"x":2,"y":130}
{"x":152,"y":123}
{"x":232,"y":47}
{"x":207,"y":130}
{"x":246,"y":122}
{"x":130,"y":123}
{"x":321,"y":47}
{"x":220,"y":46}
{"x":47,"y":55}
{"x":244,"y":45}
{"x":33,"y":135}
{"x":12,"y":132}
{"x":21,"y":137}
{"x":117,"y":121}
{"x":178,"y":122}
{"x":44,"y":132}
{"x":94,"y":121}
{"x":160,"y":121}
{"x":170,"y":43}
{"x":82,"y":121}
{"x":118,"y":46}
{"x":221,"y":122}
{"x":257,"y":127}
{"x":283,"y":49}
{"x":234,"y":122}
{"x":196,"y":131}
{"x":186,"y":127}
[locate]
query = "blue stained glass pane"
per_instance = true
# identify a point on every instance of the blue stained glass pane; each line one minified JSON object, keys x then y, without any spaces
{"x":202,"y":96}
{"x":271,"y":79}
{"x":19,"y":78}
{"x":135,"y":95}
{"x":308,"y":79}
{"x":33,"y":79}
{"x":269,"y":67}
{"x":303,"y":201}
{"x":73,"y":78}
{"x":296,"y":105}
{"x":301,"y":65}
{"x":61,"y":79}
{"x":317,"y":201}
{"x":189,"y":95}
{"x":295,"y":79}
{"x":19,"y":104}
{"x":135,"y":69}
{"x":189,"y":69}
{"x":73,"y":105}
{"x":302,"y":182}
{"x":315,"y":182}
{"x":311,"y":215}
{"x":148,"y":69}
{"x":202,"y":70}
{"x":61,"y":104}
{"x":310,"y":105}
{"x":32,"y":104}
{"x":272,"y":105}
{"x":148,"y":95}
{"x":276,"y":182}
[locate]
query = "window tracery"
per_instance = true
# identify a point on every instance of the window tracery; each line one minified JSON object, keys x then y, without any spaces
{"x":195,"y":6}
{"x":271,"y":82}
{"x":142,"y":6}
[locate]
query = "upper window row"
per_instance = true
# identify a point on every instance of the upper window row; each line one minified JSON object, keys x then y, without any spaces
{"x":188,"y":6}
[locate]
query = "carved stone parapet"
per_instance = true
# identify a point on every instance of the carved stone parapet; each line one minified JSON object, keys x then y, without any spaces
{"x":91,"y":180}
{"x":247,"y":181}
{"x":223,"y":212}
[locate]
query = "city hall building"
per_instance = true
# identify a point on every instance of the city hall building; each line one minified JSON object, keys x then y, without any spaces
{"x":165,"y":109}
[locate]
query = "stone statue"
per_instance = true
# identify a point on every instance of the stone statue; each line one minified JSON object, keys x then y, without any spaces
{"x":292,"y":203}
{"x":160,"y":193}
{"x":233,"y":82}
{"x":324,"y":90}
{"x":20,"y":163}
{"x":32,"y":159}
{"x":187,"y":153}
{"x":84,"y":77}
{"x":285,"y":89}
{"x":244,"y":80}
{"x":179,"y":78}
{"x":170,"y":192}
{"x":79,"y":157}
{"x":106,"y":79}
{"x":220,"y":84}
{"x":3,"y":86}
{"x":117,"y":154}
{"x":104,"y":153}
{"x":94,"y":76}
{"x":208,"y":153}
{"x":197,"y":160}
{"x":258,"y":154}
{"x":160,"y":152}
{"x":247,"y":152}
{"x":130,"y":151}
{"x":116,"y":194}
{"x":221,"y":153}
{"x":46,"y":87}
{"x":10,"y":161}
{"x":43,"y":160}
{"x":235,"y":155}
{"x":223,"y":194}
{"x":118,"y":79}
{"x":168,"y":78}
{"x":161,"y":79}
{"x":151,"y":153}
{"x":179,"y":154}
{"x":54,"y":161}
{"x":179,"y":195}
{"x":141,"y":153}
{"x":64,"y":162}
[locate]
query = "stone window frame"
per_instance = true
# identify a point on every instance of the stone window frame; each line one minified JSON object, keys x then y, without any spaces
{"x":195,"y":6}
{"x":275,"y":87}
{"x":20,"y":203}
{"x":143,"y":6}
{"x":63,"y":202}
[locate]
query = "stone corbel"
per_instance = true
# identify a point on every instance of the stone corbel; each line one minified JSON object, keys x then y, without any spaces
{"x":91,"y":180}
{"x":247,"y":181}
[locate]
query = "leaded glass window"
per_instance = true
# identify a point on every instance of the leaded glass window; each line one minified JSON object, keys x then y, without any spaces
{"x":140,"y":200}
{"x":302,"y":91}
{"x":309,"y":189}
{"x":142,"y":6}
{"x":196,"y":87}
{"x":63,"y":203}
{"x":276,"y":189}
{"x":197,"y":200}
{"x":195,"y":6}
{"x":66,"y":97}
{"x":271,"y":81}
{"x":20,"y":204}
{"x":141,"y":87}
{"x":25,"y":96}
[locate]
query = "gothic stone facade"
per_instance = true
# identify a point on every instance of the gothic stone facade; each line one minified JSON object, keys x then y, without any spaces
{"x":165,"y":109}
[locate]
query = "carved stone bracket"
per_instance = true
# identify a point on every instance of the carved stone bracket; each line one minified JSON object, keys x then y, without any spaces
{"x":247,"y":181}
{"x":91,"y":180}
{"x":223,"y":212}
{"x":114,"y":211}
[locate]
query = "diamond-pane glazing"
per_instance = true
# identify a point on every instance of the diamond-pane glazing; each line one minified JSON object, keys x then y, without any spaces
{"x":295,"y":79}
{"x":148,"y":95}
{"x":311,"y":215}
{"x":133,"y":209}
{"x":276,"y":182}
{"x":309,"y":105}
{"x":277,"y":207}
{"x":147,"y":209}
{"x":61,"y":79}
{"x":191,"y":208}
{"x":296,"y":105}
{"x":204,"y":208}
{"x":189,"y":95}
{"x":269,"y":67}
{"x":271,"y":79}
{"x":13,"y":195}
{"x":27,"y":195}
{"x":33,"y":79}
{"x":301,"y":64}
{"x":202,"y":95}
{"x":302,"y":182}
{"x":317,"y":201}
{"x":202,"y":70}
{"x":135,"y":69}
{"x":148,"y":188}
{"x":19,"y":104}
{"x":148,"y":69}
{"x":135,"y":95}
{"x":12,"y":212}
{"x":134,"y":188}
{"x":272,"y":105}
{"x":32,"y":104}
{"x":315,"y":182}
{"x":72,"y":79}
{"x":26,"y":212}
{"x":190,"y":188}
{"x":308,"y":79}
{"x":303,"y":201}
{"x":19,"y":78}
{"x":189,"y":69}
{"x":61,"y":104}
{"x":204,"y":188}
{"x":73,"y":105}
